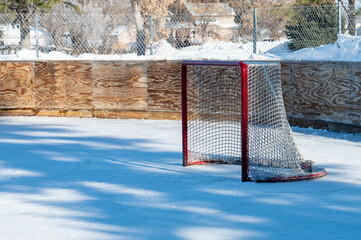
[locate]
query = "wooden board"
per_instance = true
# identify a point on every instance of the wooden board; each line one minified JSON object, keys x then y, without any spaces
{"x":340,"y":95}
{"x":164,"y":86}
{"x":122,"y":114}
{"x":44,"y":87}
{"x":159,"y":115}
{"x":288,"y":88}
{"x":78,"y":86}
{"x":63,"y":85}
{"x":119,"y":86}
{"x":355,"y":96}
{"x":16,"y":85}
{"x":313,"y":90}
{"x":60,"y":85}
{"x":17,"y":112}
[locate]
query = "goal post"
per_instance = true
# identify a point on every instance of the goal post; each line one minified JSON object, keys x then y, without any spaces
{"x":233,"y":113}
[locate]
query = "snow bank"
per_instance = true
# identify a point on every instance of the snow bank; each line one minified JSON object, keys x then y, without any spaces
{"x":346,"y":48}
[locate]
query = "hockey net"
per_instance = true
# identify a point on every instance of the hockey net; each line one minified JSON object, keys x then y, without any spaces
{"x":233,"y":112}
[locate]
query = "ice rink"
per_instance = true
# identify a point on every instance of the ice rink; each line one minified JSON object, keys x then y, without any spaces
{"x":72,"y":178}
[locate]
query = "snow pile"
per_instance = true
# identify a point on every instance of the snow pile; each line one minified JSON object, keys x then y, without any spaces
{"x":26,"y":54}
{"x":219,"y":50}
{"x":164,"y":49}
{"x":346,"y":48}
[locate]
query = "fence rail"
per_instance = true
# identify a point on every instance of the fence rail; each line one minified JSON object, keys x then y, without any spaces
{"x":202,"y":34}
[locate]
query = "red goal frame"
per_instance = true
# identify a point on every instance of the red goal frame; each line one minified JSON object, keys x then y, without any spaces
{"x":245,"y":154}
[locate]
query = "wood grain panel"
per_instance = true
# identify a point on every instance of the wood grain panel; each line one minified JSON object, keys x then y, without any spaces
{"x":78,"y":113}
{"x":355,"y":116}
{"x":159,"y":115}
{"x":288,"y":87}
{"x":341,"y":85}
{"x":312,"y":82}
{"x":17,"y":85}
{"x":60,"y":85}
{"x":355,"y":88}
{"x":8,"y":88}
{"x":78,"y":86}
{"x":17,"y":112}
{"x":164,"y":86}
{"x":355,"y":95}
{"x":121,"y":114}
{"x":44,"y":86}
{"x":49,"y":113}
{"x":340,"y":93}
{"x":120,"y":86}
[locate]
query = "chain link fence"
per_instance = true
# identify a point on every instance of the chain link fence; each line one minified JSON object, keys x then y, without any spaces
{"x":202,"y":31}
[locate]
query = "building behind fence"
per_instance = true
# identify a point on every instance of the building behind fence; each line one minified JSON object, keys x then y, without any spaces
{"x":198,"y":25}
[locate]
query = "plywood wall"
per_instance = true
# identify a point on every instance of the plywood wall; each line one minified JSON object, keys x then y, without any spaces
{"x":315,"y":93}
{"x":114,"y":89}
{"x":323,"y":93}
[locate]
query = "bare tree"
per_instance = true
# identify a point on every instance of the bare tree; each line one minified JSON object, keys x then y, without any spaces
{"x":90,"y":31}
{"x":158,"y":9}
{"x":139,"y":22}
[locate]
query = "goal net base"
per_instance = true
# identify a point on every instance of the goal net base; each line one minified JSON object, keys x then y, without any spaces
{"x":286,"y":175}
{"x":309,"y":170}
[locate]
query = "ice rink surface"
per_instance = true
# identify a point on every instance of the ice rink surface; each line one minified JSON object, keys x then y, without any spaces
{"x":71,"y":178}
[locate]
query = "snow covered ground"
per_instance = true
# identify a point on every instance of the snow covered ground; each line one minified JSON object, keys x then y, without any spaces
{"x":70,"y":178}
{"x":347,"y":48}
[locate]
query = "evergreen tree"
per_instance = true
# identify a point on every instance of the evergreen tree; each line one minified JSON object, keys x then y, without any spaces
{"x":312,"y":25}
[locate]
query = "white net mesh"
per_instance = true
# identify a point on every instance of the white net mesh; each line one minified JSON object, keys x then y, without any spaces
{"x":214,"y":128}
{"x":272,"y":150}
{"x":214,"y":114}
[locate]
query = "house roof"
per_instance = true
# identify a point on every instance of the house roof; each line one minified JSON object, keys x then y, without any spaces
{"x":209,"y":9}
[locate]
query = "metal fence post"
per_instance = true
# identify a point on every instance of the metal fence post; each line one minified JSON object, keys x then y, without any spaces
{"x":37,"y":34}
{"x":339,"y":18}
{"x":255,"y":30}
{"x":151,"y":34}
